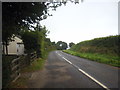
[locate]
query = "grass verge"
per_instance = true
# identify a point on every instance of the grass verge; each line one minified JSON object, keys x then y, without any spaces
{"x":102,"y":58}
{"x":21,"y":82}
{"x":35,"y":65}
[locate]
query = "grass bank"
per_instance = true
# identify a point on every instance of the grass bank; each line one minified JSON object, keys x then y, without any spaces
{"x":104,"y":45}
{"x":102,"y":58}
{"x":21,"y":82}
{"x":35,"y":65}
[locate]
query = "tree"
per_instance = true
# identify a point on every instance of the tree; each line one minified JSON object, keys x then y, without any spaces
{"x":61,"y":45}
{"x":34,"y":40}
{"x":19,"y":15}
{"x":71,"y":44}
{"x":30,"y":41}
{"x":64,"y":46}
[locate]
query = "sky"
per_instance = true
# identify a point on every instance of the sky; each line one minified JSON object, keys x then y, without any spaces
{"x":84,"y":21}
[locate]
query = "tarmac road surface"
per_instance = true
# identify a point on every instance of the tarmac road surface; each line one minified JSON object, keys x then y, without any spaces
{"x":63,"y":70}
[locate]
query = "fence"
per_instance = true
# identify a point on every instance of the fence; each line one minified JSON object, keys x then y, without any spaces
{"x":19,"y":63}
{"x":13,"y":64}
{"x":33,"y":56}
{"x":15,"y":69}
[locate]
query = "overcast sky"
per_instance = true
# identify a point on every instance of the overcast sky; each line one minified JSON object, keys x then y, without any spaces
{"x":83,"y":21}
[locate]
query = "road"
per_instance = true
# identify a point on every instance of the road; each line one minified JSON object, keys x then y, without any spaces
{"x":63,"y":70}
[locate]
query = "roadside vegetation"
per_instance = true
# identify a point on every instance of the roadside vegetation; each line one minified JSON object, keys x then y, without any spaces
{"x":21,"y":82}
{"x":24,"y":22}
{"x":103,"y":50}
{"x":35,"y":65}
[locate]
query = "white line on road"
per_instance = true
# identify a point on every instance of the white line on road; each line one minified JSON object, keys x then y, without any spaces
{"x":58,"y":53}
{"x":93,"y":79}
{"x":67,"y":60}
{"x":86,"y":74}
{"x":76,"y":66}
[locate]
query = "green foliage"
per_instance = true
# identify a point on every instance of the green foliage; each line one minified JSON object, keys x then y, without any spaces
{"x":6,"y":69}
{"x":61,"y":45}
{"x":71,"y":44}
{"x":102,"y":58}
{"x":24,"y":14}
{"x":104,"y":50}
{"x":105,"y":45}
{"x":34,"y":40}
{"x":23,"y":11}
{"x":49,"y":45}
{"x":29,"y":38}
{"x":36,"y":65}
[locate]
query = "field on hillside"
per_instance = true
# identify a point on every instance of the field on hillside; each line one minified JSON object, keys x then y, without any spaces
{"x":105,"y":45}
{"x":103,"y":50}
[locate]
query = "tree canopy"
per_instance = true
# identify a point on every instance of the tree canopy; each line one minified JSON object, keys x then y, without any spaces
{"x":61,"y":45}
{"x":16,"y":15}
{"x":34,"y":40}
{"x":71,"y":44}
{"x":19,"y":15}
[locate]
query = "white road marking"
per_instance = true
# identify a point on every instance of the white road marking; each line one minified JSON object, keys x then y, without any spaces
{"x":76,"y":66}
{"x":59,"y":54}
{"x":93,"y":79}
{"x":67,"y":60}
{"x":86,"y":74}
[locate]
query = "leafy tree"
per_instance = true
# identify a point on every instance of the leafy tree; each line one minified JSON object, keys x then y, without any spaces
{"x":34,"y":40}
{"x":58,"y":45}
{"x":49,"y":46}
{"x":64,"y":46}
{"x":71,"y":44}
{"x":29,"y":40}
{"x":42,"y":36}
{"x":61,"y":45}
{"x":19,"y":15}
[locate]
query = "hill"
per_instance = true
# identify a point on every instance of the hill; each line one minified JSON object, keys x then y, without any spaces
{"x":104,"y":45}
{"x":104,"y":50}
